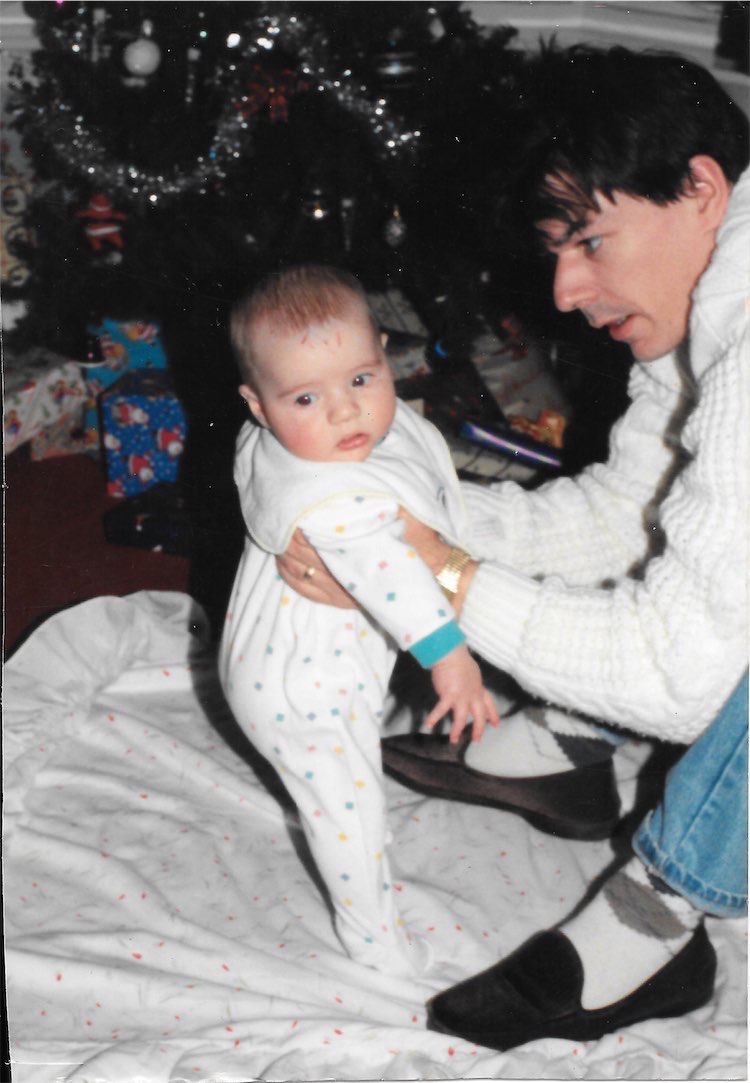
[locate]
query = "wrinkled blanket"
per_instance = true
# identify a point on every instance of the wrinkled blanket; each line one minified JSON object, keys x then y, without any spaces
{"x":162,"y":924}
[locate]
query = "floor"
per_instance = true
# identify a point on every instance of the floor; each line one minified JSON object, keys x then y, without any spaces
{"x":55,"y":550}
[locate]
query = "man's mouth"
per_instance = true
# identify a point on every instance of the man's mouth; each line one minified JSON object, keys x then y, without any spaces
{"x":620,"y":329}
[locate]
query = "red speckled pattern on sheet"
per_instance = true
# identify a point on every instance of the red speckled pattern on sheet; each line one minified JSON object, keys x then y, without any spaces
{"x":161,"y":924}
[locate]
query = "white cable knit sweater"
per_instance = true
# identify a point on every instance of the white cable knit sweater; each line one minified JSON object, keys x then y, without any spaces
{"x":566,"y":601}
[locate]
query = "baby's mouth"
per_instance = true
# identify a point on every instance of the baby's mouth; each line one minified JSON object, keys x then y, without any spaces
{"x":349,"y":443}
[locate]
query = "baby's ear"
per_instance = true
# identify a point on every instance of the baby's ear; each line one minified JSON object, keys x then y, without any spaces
{"x":254,"y":404}
{"x":384,"y":339}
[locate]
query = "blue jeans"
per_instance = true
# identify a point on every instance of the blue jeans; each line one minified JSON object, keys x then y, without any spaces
{"x":696,"y":839}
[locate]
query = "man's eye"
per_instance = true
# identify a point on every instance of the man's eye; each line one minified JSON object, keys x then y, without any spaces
{"x":361,"y":379}
{"x":591,"y":243}
{"x":305,"y":400}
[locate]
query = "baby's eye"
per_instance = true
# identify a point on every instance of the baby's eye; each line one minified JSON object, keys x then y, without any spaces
{"x":591,"y":243}
{"x":362,"y":379}
{"x":305,"y":400}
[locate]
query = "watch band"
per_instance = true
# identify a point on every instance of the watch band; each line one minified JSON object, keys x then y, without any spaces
{"x":449,"y":575}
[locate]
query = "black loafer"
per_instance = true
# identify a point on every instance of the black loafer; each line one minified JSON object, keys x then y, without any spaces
{"x":582,"y":803}
{"x":536,"y":993}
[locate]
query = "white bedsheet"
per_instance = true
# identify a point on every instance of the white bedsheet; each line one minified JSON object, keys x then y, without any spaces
{"x":160,"y":925}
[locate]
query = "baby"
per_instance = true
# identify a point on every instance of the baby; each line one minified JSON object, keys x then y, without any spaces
{"x":335,"y":453}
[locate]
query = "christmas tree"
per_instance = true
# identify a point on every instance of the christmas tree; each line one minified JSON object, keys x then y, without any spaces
{"x":182,"y":149}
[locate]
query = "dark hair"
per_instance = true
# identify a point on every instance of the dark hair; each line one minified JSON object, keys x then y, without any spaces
{"x":291,"y":300}
{"x":606,"y":120}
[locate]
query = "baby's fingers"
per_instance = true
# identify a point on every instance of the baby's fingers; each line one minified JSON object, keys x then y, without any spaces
{"x":440,"y":710}
{"x":460,"y":722}
{"x":484,"y":712}
{"x":492,"y":715}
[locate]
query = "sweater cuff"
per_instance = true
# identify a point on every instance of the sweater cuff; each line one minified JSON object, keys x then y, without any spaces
{"x":431,"y":648}
{"x":495,"y":612}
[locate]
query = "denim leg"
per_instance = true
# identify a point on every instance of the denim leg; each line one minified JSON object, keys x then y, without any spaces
{"x":696,"y":839}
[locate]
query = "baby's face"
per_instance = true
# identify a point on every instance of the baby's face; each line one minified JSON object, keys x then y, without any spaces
{"x":326,"y":392}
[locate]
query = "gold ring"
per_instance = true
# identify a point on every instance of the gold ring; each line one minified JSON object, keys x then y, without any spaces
{"x":309,"y":572}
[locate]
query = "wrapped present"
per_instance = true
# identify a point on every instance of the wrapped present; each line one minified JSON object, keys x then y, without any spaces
{"x":393,"y":312}
{"x":549,"y":427}
{"x":65,"y":436}
{"x":143,"y":429}
{"x":158,"y":520}
{"x":42,"y":389}
{"x":125,"y":346}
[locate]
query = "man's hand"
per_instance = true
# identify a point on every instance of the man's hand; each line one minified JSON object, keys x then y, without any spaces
{"x":457,"y":680}
{"x":302,"y":569}
{"x":428,"y":543}
{"x":434,"y":552}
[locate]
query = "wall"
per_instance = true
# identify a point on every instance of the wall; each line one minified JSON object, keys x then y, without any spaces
{"x":690,"y":27}
{"x":687,"y":26}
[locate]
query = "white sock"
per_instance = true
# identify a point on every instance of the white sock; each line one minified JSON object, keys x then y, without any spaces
{"x":537,"y":741}
{"x":628,"y":932}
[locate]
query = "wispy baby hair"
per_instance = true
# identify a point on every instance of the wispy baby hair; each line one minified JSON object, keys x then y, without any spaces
{"x":291,"y":300}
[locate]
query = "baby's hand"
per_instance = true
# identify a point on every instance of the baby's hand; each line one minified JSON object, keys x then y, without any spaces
{"x":457,"y":680}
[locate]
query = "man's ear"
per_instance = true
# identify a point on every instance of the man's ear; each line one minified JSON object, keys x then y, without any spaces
{"x":708,"y":184}
{"x":254,"y":404}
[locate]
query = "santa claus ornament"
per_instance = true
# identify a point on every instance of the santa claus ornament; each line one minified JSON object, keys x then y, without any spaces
{"x":103,"y":227}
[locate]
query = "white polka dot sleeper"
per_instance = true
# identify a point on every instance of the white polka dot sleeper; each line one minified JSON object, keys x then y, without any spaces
{"x":308,"y":682}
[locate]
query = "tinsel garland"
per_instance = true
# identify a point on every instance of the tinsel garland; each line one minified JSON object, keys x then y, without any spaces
{"x":84,"y":153}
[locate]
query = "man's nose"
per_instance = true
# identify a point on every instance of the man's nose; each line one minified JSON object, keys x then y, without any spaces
{"x":574,"y":286}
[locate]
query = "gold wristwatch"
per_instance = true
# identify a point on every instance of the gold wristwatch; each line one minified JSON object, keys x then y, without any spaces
{"x":449,"y":575}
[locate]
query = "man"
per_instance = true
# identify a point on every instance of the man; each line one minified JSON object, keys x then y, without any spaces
{"x":620,"y":594}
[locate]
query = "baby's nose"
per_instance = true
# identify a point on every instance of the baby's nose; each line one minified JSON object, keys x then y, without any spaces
{"x":343,"y":407}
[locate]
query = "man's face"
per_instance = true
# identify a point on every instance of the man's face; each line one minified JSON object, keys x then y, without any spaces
{"x":631,"y":269}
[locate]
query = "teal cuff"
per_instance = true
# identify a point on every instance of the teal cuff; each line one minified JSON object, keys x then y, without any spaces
{"x":437,"y":644}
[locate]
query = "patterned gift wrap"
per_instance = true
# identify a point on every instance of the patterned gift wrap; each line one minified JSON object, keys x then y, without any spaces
{"x":44,"y":393}
{"x":143,"y":430}
{"x":65,"y":436}
{"x":126,"y":346}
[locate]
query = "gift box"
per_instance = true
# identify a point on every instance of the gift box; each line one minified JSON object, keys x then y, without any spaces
{"x":65,"y":436}
{"x":157,"y":520}
{"x":125,"y":346}
{"x":43,"y":390}
{"x":143,"y":429}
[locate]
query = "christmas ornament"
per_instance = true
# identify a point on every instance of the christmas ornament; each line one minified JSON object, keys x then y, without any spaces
{"x":97,"y":50}
{"x":346,"y":213}
{"x":193,"y":59}
{"x":266,"y":89}
{"x":102,"y":226}
{"x":268,"y":40}
{"x":395,"y":229}
{"x":398,"y":68}
{"x":315,"y":206}
{"x":15,"y":189}
{"x":142,"y":57}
